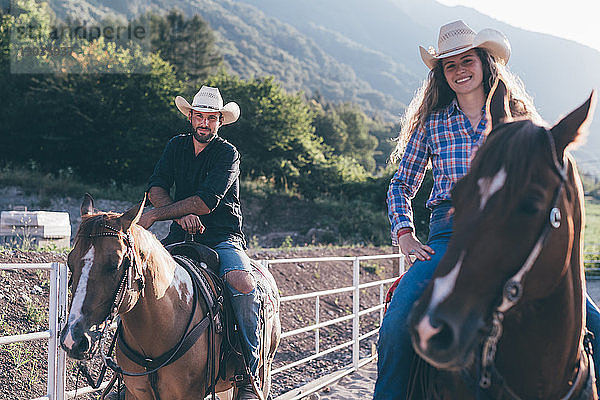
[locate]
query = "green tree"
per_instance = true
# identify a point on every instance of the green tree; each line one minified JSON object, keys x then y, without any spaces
{"x":186,"y":43}
{"x":347,"y":130}
{"x":276,"y":137}
{"x":330,"y":127}
{"x":103,"y":125}
{"x":360,"y":144}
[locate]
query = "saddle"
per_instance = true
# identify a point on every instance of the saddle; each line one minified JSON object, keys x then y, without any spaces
{"x":201,"y":260}
{"x":202,"y":263}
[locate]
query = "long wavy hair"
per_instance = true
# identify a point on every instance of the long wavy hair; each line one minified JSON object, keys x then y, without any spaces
{"x":435,"y":94}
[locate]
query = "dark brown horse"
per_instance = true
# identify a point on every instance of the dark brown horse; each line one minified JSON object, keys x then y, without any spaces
{"x":120,"y":268}
{"x":505,"y":310}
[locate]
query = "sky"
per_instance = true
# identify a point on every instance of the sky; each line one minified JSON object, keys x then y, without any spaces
{"x":577,"y":20}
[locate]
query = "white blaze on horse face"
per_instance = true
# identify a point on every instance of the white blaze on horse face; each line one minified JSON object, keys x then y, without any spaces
{"x":489,"y":186}
{"x":79,"y":296}
{"x":444,"y":285}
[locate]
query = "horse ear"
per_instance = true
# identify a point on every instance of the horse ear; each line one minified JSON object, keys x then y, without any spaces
{"x":497,"y":108}
{"x":132,"y":215}
{"x":573,"y":127}
{"x":87,"y":205}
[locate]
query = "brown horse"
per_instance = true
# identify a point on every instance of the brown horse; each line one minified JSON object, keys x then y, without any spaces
{"x":505,"y":310}
{"x":120,"y":268}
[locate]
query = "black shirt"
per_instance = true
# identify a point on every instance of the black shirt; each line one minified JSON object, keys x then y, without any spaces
{"x":212,"y":175}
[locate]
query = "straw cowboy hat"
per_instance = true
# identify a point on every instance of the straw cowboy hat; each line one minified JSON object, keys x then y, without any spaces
{"x":208,"y":99}
{"x":457,"y":37}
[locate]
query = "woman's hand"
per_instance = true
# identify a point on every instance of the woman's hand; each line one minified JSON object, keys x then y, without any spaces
{"x":191,"y":224}
{"x":411,"y":246}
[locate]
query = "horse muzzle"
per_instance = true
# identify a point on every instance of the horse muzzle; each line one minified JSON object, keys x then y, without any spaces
{"x":443,"y":340}
{"x":79,"y":343}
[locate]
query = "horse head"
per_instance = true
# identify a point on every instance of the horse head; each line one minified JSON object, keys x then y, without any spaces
{"x":104,"y":268}
{"x":517,"y":230}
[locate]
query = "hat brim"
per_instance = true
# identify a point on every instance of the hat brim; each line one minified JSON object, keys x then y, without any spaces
{"x":230,"y":111}
{"x":489,"y":39}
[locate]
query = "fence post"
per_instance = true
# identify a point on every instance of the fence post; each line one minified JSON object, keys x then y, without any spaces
{"x":381,"y":301}
{"x":61,"y":363}
{"x":317,"y":322}
{"x":401,"y":262}
{"x":53,"y":329}
{"x":355,"y":310}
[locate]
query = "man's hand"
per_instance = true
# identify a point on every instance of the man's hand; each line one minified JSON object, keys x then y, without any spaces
{"x":191,"y":224}
{"x":411,"y":246}
{"x":146,"y":220}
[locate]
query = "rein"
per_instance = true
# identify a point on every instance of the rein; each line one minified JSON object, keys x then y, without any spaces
{"x":513,"y":290}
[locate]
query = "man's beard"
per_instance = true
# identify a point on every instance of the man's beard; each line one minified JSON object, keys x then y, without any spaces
{"x":203,"y":138}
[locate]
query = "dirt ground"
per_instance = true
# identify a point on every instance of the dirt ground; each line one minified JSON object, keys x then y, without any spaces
{"x":24,"y":303}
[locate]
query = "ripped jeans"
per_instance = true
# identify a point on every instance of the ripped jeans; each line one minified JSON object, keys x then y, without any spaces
{"x":246,"y":306}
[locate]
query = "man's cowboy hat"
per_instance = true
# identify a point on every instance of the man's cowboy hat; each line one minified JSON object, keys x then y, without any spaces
{"x":456,"y":38}
{"x":208,"y":99}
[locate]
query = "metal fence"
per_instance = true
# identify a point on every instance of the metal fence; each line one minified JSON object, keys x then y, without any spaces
{"x":58,"y":314}
{"x":592,"y":265}
{"x":355,"y":289}
{"x":56,"y":389}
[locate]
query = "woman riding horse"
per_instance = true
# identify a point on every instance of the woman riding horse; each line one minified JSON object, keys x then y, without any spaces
{"x":506,"y":304}
{"x":444,"y":126}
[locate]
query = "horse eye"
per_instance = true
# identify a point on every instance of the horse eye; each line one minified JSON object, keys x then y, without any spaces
{"x":113,"y":265}
{"x":530,"y":205}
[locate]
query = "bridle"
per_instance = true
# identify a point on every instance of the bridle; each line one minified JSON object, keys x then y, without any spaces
{"x":133,"y":280}
{"x":513,"y":288}
{"x":131,"y":275}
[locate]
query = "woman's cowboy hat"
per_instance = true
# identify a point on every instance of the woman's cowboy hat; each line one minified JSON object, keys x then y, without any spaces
{"x":208,"y":99}
{"x":456,"y":38}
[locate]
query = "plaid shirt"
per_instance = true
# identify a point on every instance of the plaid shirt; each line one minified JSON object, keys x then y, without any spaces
{"x":449,"y":142}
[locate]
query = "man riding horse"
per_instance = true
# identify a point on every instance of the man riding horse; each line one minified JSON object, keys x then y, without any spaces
{"x":205,"y":171}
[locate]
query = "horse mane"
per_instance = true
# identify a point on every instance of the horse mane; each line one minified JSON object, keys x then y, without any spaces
{"x":514,"y":150}
{"x":147,"y":245}
{"x":150,"y":248}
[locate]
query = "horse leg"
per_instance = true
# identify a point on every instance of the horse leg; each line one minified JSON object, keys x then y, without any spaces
{"x":275,"y":334}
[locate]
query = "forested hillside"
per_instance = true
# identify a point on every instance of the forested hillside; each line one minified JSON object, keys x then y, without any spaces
{"x":353,"y":51}
{"x":104,"y":111}
{"x":316,"y":125}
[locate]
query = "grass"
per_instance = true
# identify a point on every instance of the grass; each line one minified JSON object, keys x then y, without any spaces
{"x":35,"y":314}
{"x":592,"y":225}
{"x":21,"y":356}
{"x":64,"y":183}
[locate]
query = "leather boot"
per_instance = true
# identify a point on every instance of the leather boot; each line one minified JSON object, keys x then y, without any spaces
{"x":246,"y":392}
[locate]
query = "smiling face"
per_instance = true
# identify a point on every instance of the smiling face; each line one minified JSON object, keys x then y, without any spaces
{"x":464,"y":72}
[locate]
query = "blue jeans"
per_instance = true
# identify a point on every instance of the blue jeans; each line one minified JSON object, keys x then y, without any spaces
{"x":246,"y":306}
{"x":394,"y":349}
{"x":592,"y":323}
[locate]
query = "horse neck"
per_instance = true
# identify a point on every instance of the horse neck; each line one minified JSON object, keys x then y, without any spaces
{"x":540,"y":344}
{"x":160,"y":306}
{"x":158,"y":265}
